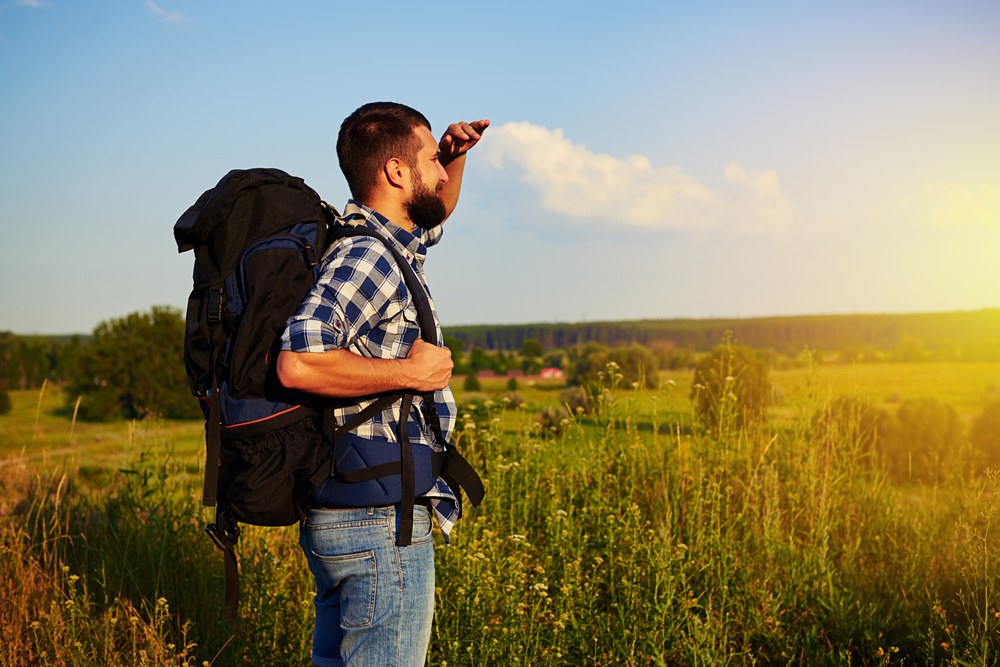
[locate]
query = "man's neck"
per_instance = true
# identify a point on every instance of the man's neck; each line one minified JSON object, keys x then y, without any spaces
{"x":392,"y":210}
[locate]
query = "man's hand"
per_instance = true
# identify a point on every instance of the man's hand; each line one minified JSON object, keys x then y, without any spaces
{"x":428,"y":366}
{"x":459,"y":138}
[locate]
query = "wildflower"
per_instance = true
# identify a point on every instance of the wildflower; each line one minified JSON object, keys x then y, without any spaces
{"x":35,"y":625}
{"x":73,"y":578}
{"x":730,"y":378}
{"x":517,"y":538}
{"x":560,"y":512}
{"x":671,"y":383}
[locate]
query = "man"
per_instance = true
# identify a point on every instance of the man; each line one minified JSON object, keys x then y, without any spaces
{"x":357,"y":335}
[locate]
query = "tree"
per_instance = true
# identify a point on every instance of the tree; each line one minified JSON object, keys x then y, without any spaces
{"x":4,"y":401}
{"x":133,"y":368}
{"x":731,"y":388}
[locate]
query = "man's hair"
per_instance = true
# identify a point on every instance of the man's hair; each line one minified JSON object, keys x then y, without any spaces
{"x":370,"y":137}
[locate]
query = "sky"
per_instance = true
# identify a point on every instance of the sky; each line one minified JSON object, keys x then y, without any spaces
{"x":645,"y":160}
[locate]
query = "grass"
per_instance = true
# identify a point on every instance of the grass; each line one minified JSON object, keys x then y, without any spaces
{"x":602,"y":542}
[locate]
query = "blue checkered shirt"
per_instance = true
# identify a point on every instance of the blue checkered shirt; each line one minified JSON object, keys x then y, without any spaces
{"x":361,"y":303}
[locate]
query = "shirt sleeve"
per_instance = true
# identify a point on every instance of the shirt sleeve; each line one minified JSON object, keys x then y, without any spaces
{"x":358,"y":287}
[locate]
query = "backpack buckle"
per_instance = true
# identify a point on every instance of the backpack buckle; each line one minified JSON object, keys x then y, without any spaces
{"x":216,"y":305}
{"x":213,"y":532}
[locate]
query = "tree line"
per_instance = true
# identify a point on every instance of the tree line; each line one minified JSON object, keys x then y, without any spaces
{"x":133,"y":366}
{"x":967,"y":335}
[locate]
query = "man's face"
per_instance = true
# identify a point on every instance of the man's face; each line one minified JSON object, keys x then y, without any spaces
{"x":424,"y":206}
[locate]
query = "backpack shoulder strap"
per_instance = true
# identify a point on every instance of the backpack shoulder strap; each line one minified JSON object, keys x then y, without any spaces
{"x":425,"y":315}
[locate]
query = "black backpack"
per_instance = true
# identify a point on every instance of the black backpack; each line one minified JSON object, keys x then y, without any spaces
{"x":258,"y":237}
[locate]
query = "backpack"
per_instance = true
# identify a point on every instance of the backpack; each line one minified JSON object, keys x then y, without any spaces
{"x":258,"y":238}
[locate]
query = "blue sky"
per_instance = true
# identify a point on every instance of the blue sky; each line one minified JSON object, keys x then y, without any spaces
{"x":646,"y":160}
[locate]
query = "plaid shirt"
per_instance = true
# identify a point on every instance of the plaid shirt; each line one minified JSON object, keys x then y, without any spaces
{"x":361,"y":303}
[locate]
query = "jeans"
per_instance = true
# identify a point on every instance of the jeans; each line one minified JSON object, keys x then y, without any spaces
{"x":374,"y":601}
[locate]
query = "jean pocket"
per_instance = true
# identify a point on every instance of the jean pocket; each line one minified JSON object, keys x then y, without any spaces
{"x":423,"y":527}
{"x":357,"y":577}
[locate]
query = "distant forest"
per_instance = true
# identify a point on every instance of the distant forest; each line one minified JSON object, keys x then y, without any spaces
{"x":966,"y":334}
{"x":25,"y":361}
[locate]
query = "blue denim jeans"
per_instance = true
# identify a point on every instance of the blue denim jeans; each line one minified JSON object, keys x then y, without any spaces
{"x":374,"y":601}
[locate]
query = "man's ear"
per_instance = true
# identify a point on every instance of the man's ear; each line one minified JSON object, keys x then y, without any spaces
{"x":397,"y":172}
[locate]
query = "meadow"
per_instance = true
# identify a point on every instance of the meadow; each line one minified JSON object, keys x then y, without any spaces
{"x":625,"y":536}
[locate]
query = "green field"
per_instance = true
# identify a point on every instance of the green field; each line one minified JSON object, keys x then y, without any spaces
{"x":622,"y":537}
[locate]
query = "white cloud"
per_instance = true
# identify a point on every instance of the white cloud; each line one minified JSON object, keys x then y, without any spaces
{"x":163,"y":14}
{"x":34,"y":4}
{"x":577,"y":182}
{"x":962,"y":205}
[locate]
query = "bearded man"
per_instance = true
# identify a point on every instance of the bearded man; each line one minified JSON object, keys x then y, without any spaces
{"x":357,"y":337}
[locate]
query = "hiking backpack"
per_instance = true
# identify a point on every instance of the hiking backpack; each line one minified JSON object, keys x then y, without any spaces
{"x":259,"y":236}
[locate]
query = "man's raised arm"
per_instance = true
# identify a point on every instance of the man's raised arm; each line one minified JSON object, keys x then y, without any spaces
{"x":455,"y":143}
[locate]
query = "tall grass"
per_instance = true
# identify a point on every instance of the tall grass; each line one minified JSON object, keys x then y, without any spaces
{"x":622,"y":538}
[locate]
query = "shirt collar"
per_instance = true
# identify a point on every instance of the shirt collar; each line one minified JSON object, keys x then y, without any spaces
{"x":413,"y":243}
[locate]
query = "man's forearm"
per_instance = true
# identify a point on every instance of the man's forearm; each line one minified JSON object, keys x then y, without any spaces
{"x":451,"y":190}
{"x":344,"y":374}
{"x":341,"y":373}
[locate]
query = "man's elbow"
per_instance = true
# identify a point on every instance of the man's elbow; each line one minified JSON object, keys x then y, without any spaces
{"x":290,"y":370}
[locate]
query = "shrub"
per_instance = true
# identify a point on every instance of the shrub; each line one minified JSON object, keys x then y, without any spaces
{"x":576,"y":400}
{"x":551,"y":421}
{"x":730,"y":389}
{"x":852,"y":421}
{"x":472,"y":382}
{"x":925,"y":441}
{"x":4,"y":402}
{"x":985,"y":433}
{"x":637,"y":366}
{"x":512,"y":400}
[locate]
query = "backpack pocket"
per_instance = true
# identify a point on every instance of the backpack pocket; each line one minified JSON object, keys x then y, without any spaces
{"x":266,"y":480}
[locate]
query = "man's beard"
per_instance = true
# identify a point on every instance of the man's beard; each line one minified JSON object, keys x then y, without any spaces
{"x":425,"y":208}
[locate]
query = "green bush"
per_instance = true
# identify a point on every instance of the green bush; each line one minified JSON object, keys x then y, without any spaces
{"x":851,"y":420}
{"x":985,"y":433}
{"x":731,"y":389}
{"x":636,"y":367}
{"x":472,"y":382}
{"x":925,"y":442}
